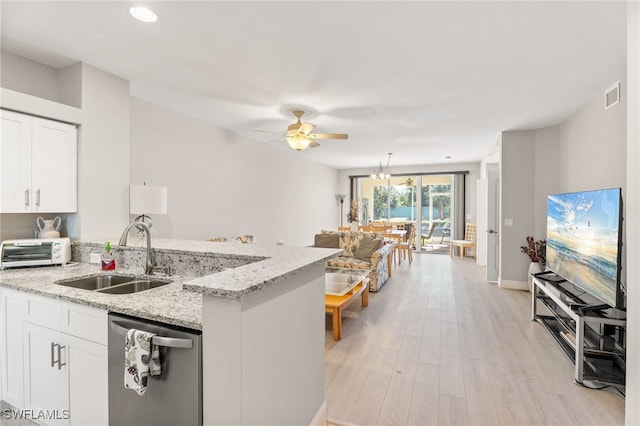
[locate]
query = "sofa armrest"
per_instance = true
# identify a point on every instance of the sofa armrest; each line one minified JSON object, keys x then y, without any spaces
{"x":378,"y":256}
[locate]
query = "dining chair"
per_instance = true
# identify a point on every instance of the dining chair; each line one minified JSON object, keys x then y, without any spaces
{"x":469,"y":241}
{"x":380,"y":227}
{"x":427,"y":237}
{"x":405,"y":247}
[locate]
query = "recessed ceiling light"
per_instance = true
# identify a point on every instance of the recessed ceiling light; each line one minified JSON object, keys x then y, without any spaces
{"x":448,"y":157}
{"x":143,"y":14}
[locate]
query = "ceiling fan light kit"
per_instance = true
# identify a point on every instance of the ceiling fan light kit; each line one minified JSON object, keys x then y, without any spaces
{"x":298,"y":144}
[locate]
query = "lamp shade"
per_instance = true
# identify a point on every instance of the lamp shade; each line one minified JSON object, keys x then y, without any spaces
{"x":146,"y":199}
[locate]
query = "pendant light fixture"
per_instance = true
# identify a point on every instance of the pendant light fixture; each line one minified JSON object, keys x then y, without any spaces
{"x":381,"y":173}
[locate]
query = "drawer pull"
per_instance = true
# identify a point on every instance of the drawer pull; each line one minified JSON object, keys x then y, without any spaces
{"x":60,"y":363}
{"x":53,"y":362}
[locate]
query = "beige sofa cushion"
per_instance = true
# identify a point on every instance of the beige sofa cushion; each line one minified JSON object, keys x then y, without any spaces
{"x":327,"y":241}
{"x":367,"y":247}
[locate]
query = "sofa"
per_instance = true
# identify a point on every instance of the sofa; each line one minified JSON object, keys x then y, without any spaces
{"x":242,"y":239}
{"x":362,"y":250}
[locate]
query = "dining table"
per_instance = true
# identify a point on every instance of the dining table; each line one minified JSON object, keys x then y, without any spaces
{"x":398,"y":235}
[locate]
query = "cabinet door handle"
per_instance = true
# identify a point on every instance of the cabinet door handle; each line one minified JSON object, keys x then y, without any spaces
{"x":60,"y":363}
{"x":53,"y":362}
{"x":38,"y":198}
{"x":26,"y":197}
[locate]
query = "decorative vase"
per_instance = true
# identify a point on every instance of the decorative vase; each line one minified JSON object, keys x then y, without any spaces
{"x":534,"y":268}
{"x":354,"y":226}
{"x":49,"y":228}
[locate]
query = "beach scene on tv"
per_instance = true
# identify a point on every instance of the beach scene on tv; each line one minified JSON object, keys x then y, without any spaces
{"x":582,"y":240}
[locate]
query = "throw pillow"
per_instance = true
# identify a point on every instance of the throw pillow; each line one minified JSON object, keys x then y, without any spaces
{"x":367,"y":247}
{"x":326,"y":240}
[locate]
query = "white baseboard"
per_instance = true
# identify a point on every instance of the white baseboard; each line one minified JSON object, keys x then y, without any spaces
{"x":513,"y":285}
{"x":322,"y":416}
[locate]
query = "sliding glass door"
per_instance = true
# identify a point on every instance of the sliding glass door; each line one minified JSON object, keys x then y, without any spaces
{"x":427,"y":201}
{"x":437,"y":208}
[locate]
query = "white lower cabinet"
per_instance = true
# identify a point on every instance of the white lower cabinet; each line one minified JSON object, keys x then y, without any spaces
{"x":64,"y":368}
{"x":88,"y":381}
{"x":45,"y":385}
{"x":12,"y":311}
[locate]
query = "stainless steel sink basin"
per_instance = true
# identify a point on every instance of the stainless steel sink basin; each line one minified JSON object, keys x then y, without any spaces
{"x":135,"y":286}
{"x":114,"y":284}
{"x":96,"y":282}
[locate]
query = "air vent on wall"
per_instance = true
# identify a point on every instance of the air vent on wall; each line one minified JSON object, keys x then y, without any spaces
{"x":612,"y":96}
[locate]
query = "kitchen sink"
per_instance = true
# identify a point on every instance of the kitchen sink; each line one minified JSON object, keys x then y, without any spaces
{"x":96,"y":282}
{"x":114,"y":284}
{"x":135,"y":286}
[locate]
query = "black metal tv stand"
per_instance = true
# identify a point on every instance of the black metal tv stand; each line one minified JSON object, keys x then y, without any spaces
{"x":591,"y":334}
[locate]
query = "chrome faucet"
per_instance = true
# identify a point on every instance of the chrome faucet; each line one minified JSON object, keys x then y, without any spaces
{"x":150,"y":264}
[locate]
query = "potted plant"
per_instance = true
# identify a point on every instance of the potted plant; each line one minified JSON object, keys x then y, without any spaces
{"x":352,"y":216}
{"x":536,"y":250}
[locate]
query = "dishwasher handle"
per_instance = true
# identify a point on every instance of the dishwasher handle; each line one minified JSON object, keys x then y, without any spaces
{"x":169,"y":342}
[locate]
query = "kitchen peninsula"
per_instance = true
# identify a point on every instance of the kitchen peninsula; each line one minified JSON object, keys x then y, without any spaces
{"x":260,"y":309}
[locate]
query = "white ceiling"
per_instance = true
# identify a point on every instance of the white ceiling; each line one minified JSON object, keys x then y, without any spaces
{"x":424,"y":80}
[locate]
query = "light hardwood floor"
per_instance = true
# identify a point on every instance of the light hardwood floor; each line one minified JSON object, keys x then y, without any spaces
{"x":437,"y":345}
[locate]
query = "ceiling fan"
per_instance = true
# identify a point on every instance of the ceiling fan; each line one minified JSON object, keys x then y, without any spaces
{"x":408,"y":182}
{"x":299,"y":134}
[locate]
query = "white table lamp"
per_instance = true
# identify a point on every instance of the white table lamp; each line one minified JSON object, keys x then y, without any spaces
{"x":145,"y":200}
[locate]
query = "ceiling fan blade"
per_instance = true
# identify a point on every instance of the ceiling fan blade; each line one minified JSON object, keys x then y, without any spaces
{"x":306,"y":128}
{"x":313,"y":144}
{"x":328,"y":136}
{"x":265,"y":131}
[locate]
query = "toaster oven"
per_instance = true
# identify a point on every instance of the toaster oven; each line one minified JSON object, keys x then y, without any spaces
{"x":35,"y":252}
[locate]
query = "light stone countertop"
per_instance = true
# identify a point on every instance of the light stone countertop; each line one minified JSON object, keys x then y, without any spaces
{"x":272,"y":264}
{"x":178,"y":303}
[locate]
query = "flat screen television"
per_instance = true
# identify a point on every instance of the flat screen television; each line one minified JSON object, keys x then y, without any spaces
{"x":584,"y":241}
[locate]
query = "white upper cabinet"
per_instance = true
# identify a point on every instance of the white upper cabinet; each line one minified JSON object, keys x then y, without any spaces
{"x":15,"y":159}
{"x":39,"y":165}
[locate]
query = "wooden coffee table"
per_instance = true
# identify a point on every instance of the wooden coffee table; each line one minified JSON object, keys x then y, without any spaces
{"x":342,"y":286}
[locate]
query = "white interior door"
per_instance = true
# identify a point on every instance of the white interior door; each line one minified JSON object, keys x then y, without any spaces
{"x":493,"y":221}
{"x":481,"y":215}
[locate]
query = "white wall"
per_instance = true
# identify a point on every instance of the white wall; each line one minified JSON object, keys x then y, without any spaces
{"x":103,"y":157}
{"x":546,"y":175}
{"x":221,"y":184}
{"x":26,"y":76}
{"x":517,"y":175}
{"x":632,"y":415}
{"x":593,"y":146}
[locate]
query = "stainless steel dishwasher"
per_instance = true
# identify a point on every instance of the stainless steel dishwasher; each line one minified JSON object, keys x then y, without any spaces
{"x":175,"y":396}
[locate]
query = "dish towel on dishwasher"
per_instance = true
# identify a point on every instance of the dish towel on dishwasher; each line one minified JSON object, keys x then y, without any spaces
{"x":141,"y":359}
